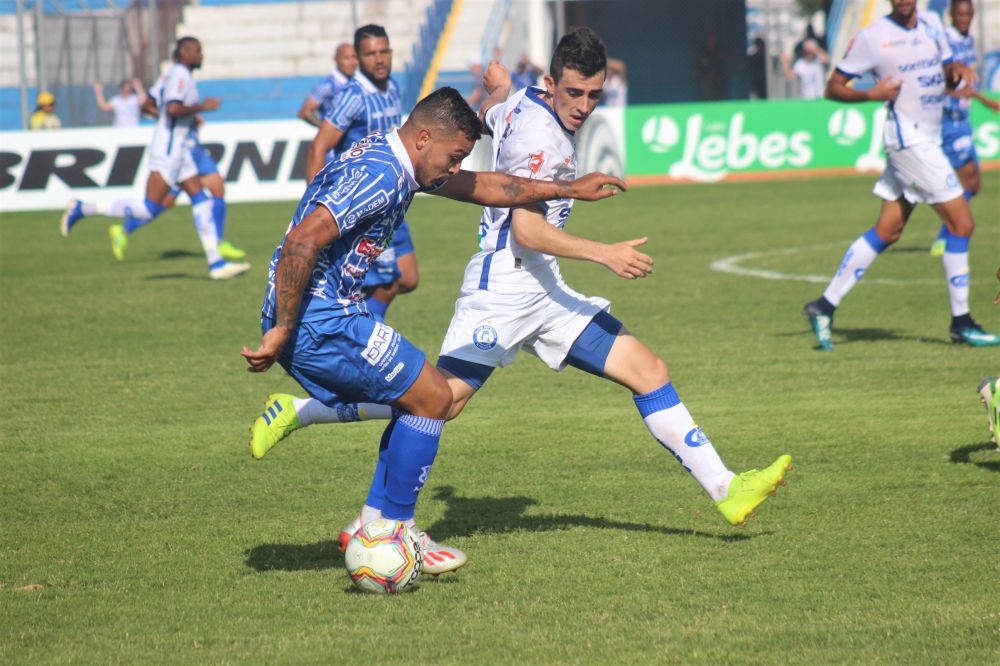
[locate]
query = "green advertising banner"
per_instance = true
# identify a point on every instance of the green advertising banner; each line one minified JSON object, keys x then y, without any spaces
{"x":708,"y":142}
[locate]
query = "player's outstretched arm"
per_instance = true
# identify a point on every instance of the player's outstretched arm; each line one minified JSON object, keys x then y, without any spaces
{"x":177,"y":109}
{"x":531,"y":230}
{"x":295,"y":264}
{"x":488,"y":188}
{"x":102,"y":103}
{"x":837,"y":89}
{"x":326,"y":138}
{"x":497,"y":82}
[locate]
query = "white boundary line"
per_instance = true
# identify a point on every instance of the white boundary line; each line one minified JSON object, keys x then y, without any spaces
{"x":731,"y":265}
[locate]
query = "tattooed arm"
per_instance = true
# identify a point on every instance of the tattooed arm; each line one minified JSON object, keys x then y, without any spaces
{"x":295,"y":264}
{"x":503,"y":191}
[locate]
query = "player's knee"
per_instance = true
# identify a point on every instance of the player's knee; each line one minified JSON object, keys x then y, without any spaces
{"x":657,"y":372}
{"x":439,"y":398}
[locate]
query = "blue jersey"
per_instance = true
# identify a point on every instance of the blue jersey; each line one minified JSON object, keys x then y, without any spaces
{"x":359,"y":108}
{"x":956,"y":109}
{"x":367,"y":189}
{"x":324,"y":91}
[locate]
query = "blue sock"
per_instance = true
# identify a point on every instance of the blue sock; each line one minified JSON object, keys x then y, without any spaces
{"x":376,"y":492}
{"x":377,"y":307}
{"x":133,"y":223}
{"x":942,"y":233}
{"x":968,"y":194}
{"x":413,"y":445}
{"x":219,"y":214}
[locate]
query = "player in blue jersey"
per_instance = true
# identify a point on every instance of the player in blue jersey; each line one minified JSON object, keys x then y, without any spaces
{"x":314,"y":318}
{"x":317,"y":103}
{"x":175,"y":101}
{"x":369,"y":103}
{"x":956,"y":130}
{"x":909,"y":55}
{"x":514,"y":298}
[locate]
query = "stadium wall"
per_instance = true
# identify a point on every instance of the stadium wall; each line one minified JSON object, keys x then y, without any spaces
{"x":668,"y":143}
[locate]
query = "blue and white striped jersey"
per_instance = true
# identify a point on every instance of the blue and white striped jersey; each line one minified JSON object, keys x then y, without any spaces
{"x":956,"y":109}
{"x":367,"y":189}
{"x":359,"y":108}
{"x":324,"y":91}
{"x":916,"y":57}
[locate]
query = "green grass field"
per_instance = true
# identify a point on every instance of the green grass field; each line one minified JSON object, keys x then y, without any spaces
{"x":136,"y":528}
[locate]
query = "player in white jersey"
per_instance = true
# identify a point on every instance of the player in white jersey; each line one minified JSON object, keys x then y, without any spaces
{"x":514,"y":298}
{"x":910,"y":56}
{"x":170,"y":163}
{"x":956,"y":132}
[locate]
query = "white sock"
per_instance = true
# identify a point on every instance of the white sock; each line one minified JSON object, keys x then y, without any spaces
{"x":120,"y":208}
{"x":369,"y":513}
{"x":856,"y":261}
{"x":676,"y":430}
{"x":956,"y":270}
{"x":204,"y":224}
{"x":310,"y":411}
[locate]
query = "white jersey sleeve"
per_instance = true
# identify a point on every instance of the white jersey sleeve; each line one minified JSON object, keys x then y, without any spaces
{"x":859,"y":58}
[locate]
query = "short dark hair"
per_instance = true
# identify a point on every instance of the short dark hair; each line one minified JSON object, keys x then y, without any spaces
{"x":181,"y":43}
{"x":370,"y":31}
{"x":445,"y":107}
{"x":581,"y":50}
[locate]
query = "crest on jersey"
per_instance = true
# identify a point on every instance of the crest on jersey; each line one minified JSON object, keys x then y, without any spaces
{"x":535,"y":161}
{"x":485,"y":337}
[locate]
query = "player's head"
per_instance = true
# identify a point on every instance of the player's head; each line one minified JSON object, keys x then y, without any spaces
{"x":374,"y":55}
{"x":125,"y":87}
{"x":576,"y":76}
{"x":187,"y":52}
{"x":442,"y":130}
{"x":346,"y":59}
{"x":962,"y":12}
{"x":903,"y":9}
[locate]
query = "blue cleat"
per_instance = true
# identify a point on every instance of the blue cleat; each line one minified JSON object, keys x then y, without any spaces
{"x":974,"y":335}
{"x":73,"y":214}
{"x":822,"y":324}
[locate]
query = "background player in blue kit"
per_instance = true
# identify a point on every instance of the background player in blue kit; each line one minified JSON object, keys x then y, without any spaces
{"x":314,"y":318}
{"x":317,"y":103}
{"x":956,"y":129}
{"x":369,"y":103}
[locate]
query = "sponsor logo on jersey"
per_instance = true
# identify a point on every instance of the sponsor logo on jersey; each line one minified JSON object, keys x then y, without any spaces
{"x":378,"y":343}
{"x":395,"y":371}
{"x":535,"y":161}
{"x":696,"y":438}
{"x":369,"y":247}
{"x":485,"y":337}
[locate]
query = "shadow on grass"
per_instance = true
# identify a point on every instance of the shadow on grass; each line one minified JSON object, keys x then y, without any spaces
{"x":963,"y":455}
{"x":294,"y":557}
{"x":843,"y":336}
{"x":179,"y":254}
{"x":175,"y":276}
{"x":466,"y":516}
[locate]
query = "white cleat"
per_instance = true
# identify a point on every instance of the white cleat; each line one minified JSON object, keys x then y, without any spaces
{"x":438,"y":558}
{"x":229,"y":270}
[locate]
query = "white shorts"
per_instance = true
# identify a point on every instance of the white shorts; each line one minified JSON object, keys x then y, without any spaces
{"x":489,"y":328}
{"x":921,"y":173}
{"x":175,"y":166}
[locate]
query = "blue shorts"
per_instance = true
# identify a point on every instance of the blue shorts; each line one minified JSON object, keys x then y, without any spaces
{"x":385,"y":270}
{"x":960,"y":149}
{"x":203,"y":160}
{"x":350,"y":359}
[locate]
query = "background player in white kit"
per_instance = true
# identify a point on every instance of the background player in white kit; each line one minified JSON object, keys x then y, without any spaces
{"x":514,"y":298}
{"x":911,"y":58}
{"x":170,"y":163}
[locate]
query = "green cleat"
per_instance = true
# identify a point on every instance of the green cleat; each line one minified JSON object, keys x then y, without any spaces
{"x":989,"y":392}
{"x":277,"y":421}
{"x":119,"y":241}
{"x":749,"y":489}
{"x":937,"y":248}
{"x":230,"y":252}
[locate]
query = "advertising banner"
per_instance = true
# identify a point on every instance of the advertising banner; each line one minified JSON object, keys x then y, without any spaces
{"x":720,"y":140}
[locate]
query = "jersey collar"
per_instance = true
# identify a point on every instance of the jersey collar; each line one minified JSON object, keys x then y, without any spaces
{"x":339,"y":77}
{"x":368,"y":86}
{"x":534,"y":94}
{"x":397,"y":148}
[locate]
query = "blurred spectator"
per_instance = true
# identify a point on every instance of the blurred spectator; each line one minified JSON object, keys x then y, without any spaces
{"x":711,"y":68}
{"x":809,"y":70}
{"x":44,"y":117}
{"x":757,"y":60}
{"x":616,"y":85}
{"x":478,"y":94}
{"x":126,"y":105}
{"x":525,"y":74}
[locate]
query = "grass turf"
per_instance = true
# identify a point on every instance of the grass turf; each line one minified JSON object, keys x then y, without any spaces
{"x":136,"y":527}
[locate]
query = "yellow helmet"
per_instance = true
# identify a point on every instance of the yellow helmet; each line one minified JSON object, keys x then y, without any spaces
{"x":45,"y":98}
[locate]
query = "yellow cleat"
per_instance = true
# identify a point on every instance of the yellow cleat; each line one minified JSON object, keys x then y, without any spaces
{"x":119,"y":241}
{"x":748,"y":490}
{"x":277,"y":421}
{"x":230,"y":252}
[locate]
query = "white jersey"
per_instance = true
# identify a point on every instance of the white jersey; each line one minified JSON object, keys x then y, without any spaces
{"x":916,"y":57}
{"x":812,"y":77}
{"x":528,"y":141}
{"x":172,"y":132}
{"x":126,"y":110}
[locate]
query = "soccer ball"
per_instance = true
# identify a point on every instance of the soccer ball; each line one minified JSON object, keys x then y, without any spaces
{"x":384,"y":557}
